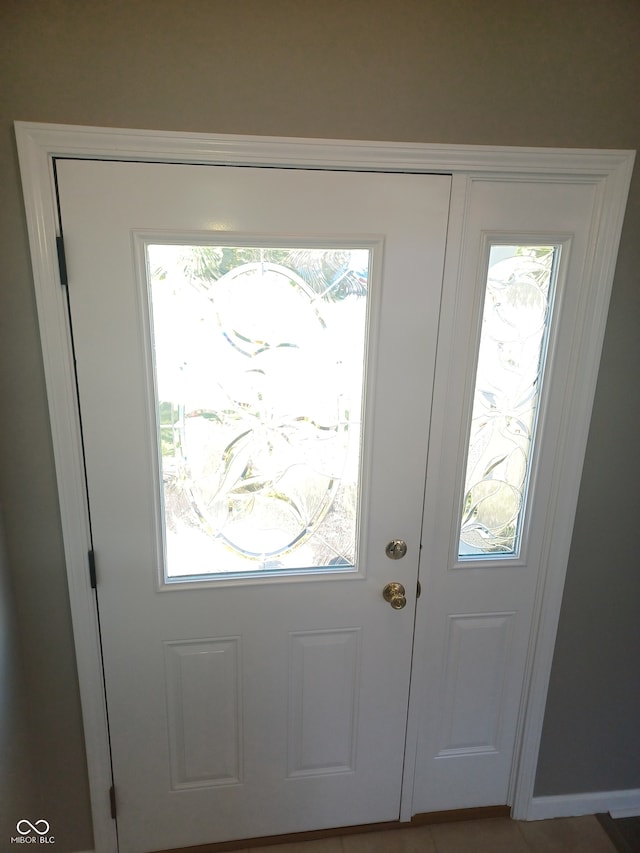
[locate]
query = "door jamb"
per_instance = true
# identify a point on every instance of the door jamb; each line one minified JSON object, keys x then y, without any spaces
{"x":38,"y":146}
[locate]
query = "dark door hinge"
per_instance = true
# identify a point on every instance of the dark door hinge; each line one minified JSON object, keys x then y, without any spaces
{"x":419,"y":590}
{"x":112,"y":801}
{"x":62,"y":260}
{"x":92,"y":569}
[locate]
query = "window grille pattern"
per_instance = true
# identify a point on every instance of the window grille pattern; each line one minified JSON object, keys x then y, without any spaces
{"x":515,"y":323}
{"x":259,"y":365}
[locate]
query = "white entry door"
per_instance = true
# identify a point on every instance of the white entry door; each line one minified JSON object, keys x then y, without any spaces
{"x":255,"y":356}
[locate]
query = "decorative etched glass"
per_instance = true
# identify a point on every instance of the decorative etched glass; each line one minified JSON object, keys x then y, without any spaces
{"x":515,"y":324}
{"x":259,"y":363}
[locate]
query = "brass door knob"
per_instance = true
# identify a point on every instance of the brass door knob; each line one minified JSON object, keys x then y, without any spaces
{"x":394,"y":593}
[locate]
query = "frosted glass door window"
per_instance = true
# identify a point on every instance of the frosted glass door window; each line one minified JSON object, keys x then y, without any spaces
{"x":515,"y":324}
{"x":259,"y":365}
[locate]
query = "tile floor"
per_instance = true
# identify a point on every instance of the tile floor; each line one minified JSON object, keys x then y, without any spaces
{"x":493,"y":835}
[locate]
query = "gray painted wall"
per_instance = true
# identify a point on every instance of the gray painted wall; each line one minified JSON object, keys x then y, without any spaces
{"x":16,"y":766}
{"x":504,"y":72}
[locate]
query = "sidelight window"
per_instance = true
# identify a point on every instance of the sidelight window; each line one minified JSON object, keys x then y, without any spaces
{"x":515,"y":325}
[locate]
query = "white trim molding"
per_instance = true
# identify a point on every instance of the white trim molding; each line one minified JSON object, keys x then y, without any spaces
{"x":40,"y":144}
{"x":617,"y":803}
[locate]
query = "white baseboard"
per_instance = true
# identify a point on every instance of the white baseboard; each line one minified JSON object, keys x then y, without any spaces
{"x":631,"y":811}
{"x":617,"y":803}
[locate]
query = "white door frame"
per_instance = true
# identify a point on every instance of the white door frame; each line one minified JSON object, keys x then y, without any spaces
{"x":40,"y":144}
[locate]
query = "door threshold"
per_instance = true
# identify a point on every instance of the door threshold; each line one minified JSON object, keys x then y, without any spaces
{"x":449,"y":816}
